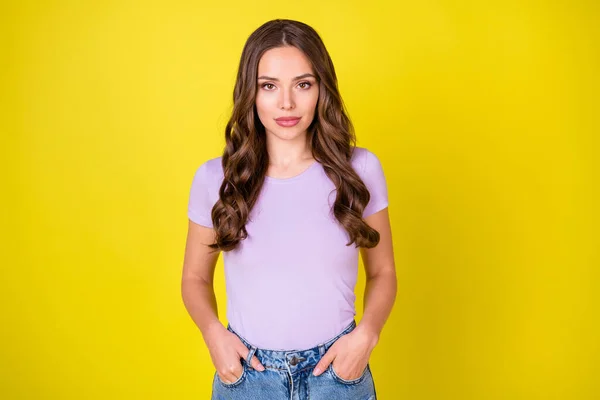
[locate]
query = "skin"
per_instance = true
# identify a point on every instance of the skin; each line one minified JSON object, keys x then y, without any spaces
{"x":350,"y":354}
{"x":289,"y":155}
{"x":286,"y":95}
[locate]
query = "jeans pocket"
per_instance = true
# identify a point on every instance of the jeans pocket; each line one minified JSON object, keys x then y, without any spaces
{"x":346,"y":381}
{"x":237,"y":382}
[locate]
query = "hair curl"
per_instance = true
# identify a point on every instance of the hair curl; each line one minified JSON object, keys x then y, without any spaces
{"x":331,"y":133}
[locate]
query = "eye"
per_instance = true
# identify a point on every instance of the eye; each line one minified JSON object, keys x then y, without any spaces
{"x":308,"y":85}
{"x":264,"y":86}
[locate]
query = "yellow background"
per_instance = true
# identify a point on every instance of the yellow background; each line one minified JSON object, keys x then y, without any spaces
{"x":482,"y":114}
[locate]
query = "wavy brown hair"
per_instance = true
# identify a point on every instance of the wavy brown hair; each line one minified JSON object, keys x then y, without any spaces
{"x":245,"y":159}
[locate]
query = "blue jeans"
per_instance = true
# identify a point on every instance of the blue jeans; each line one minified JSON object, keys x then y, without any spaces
{"x":288,"y":376}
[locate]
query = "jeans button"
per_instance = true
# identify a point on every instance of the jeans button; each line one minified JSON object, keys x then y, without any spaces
{"x":294,"y":361}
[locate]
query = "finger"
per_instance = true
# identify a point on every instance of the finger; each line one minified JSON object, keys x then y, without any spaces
{"x":244,"y":352}
{"x":233,"y":374}
{"x":256,"y":364}
{"x":224,"y":378}
{"x":323,"y":363}
{"x":230,"y":378}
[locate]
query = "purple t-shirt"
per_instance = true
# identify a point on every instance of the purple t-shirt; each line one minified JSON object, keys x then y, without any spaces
{"x":290,"y":283}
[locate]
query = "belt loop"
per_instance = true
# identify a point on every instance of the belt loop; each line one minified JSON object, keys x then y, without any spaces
{"x":250,"y":354}
{"x":321,"y":350}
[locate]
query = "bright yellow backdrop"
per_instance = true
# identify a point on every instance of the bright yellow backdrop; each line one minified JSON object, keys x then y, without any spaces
{"x":481,"y":113}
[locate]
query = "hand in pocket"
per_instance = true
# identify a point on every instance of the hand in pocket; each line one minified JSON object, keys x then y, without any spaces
{"x":226,"y":352}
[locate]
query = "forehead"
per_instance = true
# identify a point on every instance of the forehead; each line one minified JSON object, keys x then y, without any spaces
{"x":284,"y":62}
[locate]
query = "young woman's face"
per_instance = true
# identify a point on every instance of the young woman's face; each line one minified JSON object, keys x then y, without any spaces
{"x":287,"y":87}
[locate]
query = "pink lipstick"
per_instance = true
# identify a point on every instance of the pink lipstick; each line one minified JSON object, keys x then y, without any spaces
{"x":287,"y":121}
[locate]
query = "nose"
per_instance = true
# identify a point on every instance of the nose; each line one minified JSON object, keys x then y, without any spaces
{"x":286,"y":100}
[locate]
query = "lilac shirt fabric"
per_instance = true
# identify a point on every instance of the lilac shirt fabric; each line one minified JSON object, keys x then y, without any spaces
{"x":290,"y":284}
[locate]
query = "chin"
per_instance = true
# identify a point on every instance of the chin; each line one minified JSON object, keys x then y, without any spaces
{"x":288,"y":133}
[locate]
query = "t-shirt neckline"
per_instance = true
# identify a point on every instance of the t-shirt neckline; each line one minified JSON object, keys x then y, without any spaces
{"x":293,"y":178}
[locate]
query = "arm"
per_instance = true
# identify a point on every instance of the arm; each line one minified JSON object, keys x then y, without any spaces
{"x":200,"y":301}
{"x":197,"y":279}
{"x":381,"y":285}
{"x":352,"y":351}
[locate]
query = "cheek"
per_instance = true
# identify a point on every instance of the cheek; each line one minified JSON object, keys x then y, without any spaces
{"x":264,"y":110}
{"x":263,"y":104}
{"x":258,"y":101}
{"x":261,"y":108}
{"x":311,"y":102}
{"x":314,"y":98}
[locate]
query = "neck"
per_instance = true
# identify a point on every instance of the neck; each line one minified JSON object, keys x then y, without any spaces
{"x":284,"y":153}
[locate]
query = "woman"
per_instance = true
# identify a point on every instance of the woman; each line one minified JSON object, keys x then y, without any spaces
{"x":289,"y":204}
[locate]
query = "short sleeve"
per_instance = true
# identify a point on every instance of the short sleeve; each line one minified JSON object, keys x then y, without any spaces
{"x":200,"y":203}
{"x":374,"y":179}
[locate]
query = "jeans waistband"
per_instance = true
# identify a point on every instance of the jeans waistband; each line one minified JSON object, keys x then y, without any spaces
{"x":293,"y":360}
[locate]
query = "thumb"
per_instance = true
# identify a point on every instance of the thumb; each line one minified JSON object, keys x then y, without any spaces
{"x":323,"y":363}
{"x":244,"y":351}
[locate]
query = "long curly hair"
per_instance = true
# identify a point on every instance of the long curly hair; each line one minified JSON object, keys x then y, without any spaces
{"x":245,"y":159}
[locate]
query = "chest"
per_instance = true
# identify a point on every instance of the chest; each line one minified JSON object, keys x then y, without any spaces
{"x":292,"y":225}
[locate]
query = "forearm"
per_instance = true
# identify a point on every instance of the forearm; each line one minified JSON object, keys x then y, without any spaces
{"x":201,"y":303}
{"x":379,"y":298}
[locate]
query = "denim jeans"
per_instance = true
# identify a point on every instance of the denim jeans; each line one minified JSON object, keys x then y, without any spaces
{"x":288,"y":376}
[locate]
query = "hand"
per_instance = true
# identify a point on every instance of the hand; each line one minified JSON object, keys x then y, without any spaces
{"x":349,"y":354}
{"x":225,"y":350}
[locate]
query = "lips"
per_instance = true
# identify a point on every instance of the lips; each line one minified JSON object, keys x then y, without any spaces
{"x":287,"y":121}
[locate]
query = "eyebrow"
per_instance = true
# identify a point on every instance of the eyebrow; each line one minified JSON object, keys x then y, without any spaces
{"x":295,"y":79}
